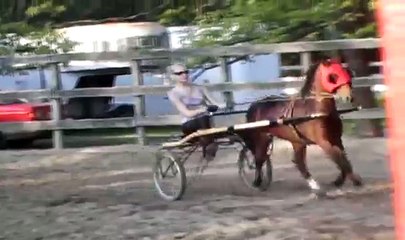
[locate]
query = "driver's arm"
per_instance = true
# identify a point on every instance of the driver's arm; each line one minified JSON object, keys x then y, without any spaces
{"x":182,"y":108}
{"x":211,"y":99}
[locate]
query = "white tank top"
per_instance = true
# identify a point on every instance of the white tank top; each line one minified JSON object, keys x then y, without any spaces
{"x":191,"y":99}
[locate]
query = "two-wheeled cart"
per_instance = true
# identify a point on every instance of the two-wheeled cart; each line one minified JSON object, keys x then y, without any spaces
{"x":172,"y":156}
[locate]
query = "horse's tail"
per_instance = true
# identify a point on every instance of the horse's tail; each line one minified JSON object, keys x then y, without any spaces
{"x":247,"y":134}
{"x":250,"y":114}
{"x":247,"y":138}
{"x":250,"y":136}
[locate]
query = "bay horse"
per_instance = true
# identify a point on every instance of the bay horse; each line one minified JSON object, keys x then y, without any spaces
{"x":325,"y":80}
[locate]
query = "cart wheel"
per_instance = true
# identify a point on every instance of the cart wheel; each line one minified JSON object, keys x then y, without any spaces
{"x":169,"y":168}
{"x":247,"y":168}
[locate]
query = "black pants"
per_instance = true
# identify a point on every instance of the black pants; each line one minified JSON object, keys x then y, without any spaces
{"x":207,"y":142}
{"x":195,"y":124}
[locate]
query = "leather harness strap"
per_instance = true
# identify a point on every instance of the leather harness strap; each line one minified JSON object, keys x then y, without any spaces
{"x":289,"y":113}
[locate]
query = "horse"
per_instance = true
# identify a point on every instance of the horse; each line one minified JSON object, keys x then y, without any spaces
{"x":325,"y":80}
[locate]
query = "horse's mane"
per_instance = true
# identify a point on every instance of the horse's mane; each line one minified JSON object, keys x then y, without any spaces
{"x":309,"y":80}
{"x":310,"y":77}
{"x":306,"y":88}
{"x":271,"y":99}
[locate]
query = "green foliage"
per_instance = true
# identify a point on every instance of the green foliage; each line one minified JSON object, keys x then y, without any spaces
{"x":34,"y":33}
{"x":271,"y":21}
{"x":226,"y":22}
{"x":45,"y":8}
{"x":283,"y":21}
{"x":176,"y":16}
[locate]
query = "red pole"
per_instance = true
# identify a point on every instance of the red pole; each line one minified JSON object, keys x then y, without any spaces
{"x":391,"y":27}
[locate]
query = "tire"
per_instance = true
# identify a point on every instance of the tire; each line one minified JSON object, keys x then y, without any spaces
{"x":176,"y":168}
{"x":3,"y":141}
{"x":22,"y":143}
{"x":245,"y":163}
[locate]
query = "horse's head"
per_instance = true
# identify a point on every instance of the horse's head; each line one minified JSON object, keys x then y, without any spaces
{"x":331,"y":77}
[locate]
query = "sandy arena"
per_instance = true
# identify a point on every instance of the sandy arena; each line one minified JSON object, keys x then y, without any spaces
{"x":108,"y":193}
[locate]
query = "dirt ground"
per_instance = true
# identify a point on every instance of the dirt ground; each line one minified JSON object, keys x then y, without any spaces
{"x":108,"y":193}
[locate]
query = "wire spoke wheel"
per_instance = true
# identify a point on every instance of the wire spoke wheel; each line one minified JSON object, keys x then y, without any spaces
{"x":247,"y":169}
{"x":169,"y":170}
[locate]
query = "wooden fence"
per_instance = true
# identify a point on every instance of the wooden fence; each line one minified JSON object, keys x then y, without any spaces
{"x":138,"y":90}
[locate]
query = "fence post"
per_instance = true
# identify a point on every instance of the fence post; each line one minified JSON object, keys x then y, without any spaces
{"x":226,"y":77}
{"x":139,"y":100}
{"x":56,"y":85}
{"x":305,"y":61}
{"x":42,"y":80}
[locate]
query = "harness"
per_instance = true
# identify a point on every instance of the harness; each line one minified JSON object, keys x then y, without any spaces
{"x":288,"y":112}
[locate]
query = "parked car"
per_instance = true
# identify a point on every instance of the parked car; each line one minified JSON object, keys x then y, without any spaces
{"x":21,"y":110}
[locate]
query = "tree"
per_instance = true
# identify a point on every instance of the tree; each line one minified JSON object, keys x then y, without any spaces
{"x":32,"y":33}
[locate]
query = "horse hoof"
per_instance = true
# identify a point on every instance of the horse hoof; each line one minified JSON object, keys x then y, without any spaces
{"x":334,"y":193}
{"x":319,"y":193}
{"x":357,"y":181}
{"x":257,"y":183}
{"x":338,"y":182}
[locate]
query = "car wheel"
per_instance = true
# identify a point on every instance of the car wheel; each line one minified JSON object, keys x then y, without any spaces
{"x":3,"y":142}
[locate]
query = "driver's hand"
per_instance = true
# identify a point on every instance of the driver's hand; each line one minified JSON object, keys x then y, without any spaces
{"x":200,"y":110}
{"x":212,"y":108}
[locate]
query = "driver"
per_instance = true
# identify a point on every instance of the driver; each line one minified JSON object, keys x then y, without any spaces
{"x":192,"y":102}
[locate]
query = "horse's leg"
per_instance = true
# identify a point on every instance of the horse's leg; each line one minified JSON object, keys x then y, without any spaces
{"x":260,"y":153}
{"x":337,"y":153}
{"x":347,"y":166}
{"x":211,"y":151}
{"x":209,"y":147}
{"x":300,"y":151}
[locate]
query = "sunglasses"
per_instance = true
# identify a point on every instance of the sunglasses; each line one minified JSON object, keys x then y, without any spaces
{"x":179,"y":73}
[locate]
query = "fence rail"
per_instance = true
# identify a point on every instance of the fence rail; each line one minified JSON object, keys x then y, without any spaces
{"x":160,"y":89}
{"x":128,"y":122}
{"x":223,"y":51}
{"x":139,"y":91}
